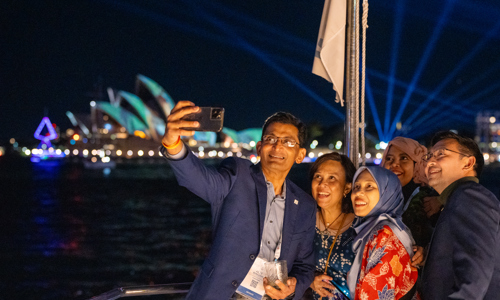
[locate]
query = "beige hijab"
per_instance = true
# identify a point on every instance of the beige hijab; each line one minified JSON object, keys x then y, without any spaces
{"x":415,"y":151}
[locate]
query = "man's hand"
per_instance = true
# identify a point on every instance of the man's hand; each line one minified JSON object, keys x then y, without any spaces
{"x":322,"y":285}
{"x":432,"y":205}
{"x":174,"y":124}
{"x":418,"y":258}
{"x":284,"y":291}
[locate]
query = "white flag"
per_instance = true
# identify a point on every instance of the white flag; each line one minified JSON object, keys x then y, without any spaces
{"x":330,"y":49}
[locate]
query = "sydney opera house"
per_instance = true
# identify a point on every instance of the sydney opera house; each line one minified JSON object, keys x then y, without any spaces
{"x":131,"y":125}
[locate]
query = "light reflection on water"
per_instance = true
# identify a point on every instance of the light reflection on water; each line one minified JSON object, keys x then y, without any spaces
{"x":73,"y":233}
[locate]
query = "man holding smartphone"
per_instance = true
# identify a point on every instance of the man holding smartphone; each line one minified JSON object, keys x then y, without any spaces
{"x":258,"y":214}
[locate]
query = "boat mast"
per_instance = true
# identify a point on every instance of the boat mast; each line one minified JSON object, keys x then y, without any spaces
{"x":351,"y":133}
{"x":354,"y":126}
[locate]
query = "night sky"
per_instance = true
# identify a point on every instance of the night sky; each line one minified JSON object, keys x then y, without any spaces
{"x":251,"y":57}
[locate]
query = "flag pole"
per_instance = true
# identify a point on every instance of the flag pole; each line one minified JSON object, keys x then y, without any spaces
{"x":352,"y":105}
{"x":337,"y":60}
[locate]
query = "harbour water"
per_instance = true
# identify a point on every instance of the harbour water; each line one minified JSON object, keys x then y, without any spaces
{"x":73,"y":233}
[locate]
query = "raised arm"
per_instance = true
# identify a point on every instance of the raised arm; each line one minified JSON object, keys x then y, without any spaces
{"x":173,"y":128}
{"x":208,"y":183}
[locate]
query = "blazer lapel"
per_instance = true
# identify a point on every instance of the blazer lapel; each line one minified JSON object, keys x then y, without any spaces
{"x":260,"y":184}
{"x":291,"y":209}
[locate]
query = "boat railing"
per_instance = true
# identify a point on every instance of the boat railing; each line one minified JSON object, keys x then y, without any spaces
{"x":177,"y":290}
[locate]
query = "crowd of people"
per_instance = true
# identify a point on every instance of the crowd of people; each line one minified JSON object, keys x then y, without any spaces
{"x":419,"y":226}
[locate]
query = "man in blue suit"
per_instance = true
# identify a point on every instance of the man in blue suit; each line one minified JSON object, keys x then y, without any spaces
{"x":257,"y":213}
{"x":463,"y":260}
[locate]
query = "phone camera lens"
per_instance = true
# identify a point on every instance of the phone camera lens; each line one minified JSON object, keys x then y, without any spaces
{"x":216,"y":113}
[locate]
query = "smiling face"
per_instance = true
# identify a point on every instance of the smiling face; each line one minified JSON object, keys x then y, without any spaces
{"x":400,"y":164}
{"x":277,"y":158}
{"x":329,"y":184}
{"x":447,"y":167}
{"x":365,"y":194}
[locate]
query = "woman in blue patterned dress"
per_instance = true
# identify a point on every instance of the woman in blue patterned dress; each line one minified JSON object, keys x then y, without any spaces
{"x":331,"y":176}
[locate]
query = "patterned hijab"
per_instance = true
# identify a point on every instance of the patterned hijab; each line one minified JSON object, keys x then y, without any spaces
{"x":388,"y":210}
{"x":415,"y":151}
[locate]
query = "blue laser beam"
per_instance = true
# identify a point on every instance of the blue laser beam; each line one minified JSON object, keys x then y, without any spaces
{"x":435,"y":113}
{"x":166,"y":20}
{"x":162,"y":19}
{"x":445,"y":116}
{"x":398,"y":20}
{"x":423,"y":62}
{"x":373,"y":107}
{"x":266,"y":32}
{"x":264,"y":58}
{"x":417,"y":90}
{"x":480,"y":45}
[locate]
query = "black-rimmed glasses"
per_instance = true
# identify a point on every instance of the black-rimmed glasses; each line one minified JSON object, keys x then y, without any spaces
{"x":439,"y":153}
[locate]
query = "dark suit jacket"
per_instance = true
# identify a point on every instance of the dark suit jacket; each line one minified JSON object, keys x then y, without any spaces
{"x":464,"y":255}
{"x":237,"y":193}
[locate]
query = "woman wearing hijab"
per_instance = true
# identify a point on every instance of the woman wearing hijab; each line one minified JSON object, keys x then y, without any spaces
{"x":403,"y":156}
{"x":382,"y":266}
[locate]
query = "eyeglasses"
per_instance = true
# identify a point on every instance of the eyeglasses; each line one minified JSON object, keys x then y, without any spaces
{"x":287,"y":142}
{"x":440,"y":153}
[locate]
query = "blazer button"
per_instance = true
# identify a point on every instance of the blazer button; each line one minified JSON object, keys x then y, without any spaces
{"x":252,"y":257}
{"x":234,"y":283}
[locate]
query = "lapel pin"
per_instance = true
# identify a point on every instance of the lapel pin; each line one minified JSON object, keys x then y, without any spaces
{"x":296,"y":202}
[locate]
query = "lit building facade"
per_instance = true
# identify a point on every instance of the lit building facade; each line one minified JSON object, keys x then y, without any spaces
{"x":488,"y":135}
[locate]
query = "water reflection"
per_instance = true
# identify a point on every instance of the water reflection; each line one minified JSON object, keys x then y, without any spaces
{"x":78,"y":233}
{"x":73,"y":233}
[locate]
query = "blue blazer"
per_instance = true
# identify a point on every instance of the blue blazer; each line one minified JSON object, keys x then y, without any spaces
{"x":237,"y":193}
{"x":464,"y":254}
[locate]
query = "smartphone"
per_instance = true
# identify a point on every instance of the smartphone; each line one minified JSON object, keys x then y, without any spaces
{"x":210,"y":119}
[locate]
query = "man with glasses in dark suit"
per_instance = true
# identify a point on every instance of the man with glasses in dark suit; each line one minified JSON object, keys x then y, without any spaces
{"x":463,"y":260}
{"x":258,"y":215}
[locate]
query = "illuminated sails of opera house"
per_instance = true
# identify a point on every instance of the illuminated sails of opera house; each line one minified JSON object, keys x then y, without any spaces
{"x":132,"y":125}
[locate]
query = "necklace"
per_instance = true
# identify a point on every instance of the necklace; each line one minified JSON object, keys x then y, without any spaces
{"x":325,"y":234}
{"x":333,"y":243}
{"x":327,"y":225}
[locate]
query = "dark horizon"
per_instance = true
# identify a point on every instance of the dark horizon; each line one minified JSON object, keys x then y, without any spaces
{"x":254,"y":55}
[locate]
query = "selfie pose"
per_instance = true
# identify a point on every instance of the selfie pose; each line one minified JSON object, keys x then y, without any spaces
{"x":383,"y":245}
{"x":258,"y":214}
